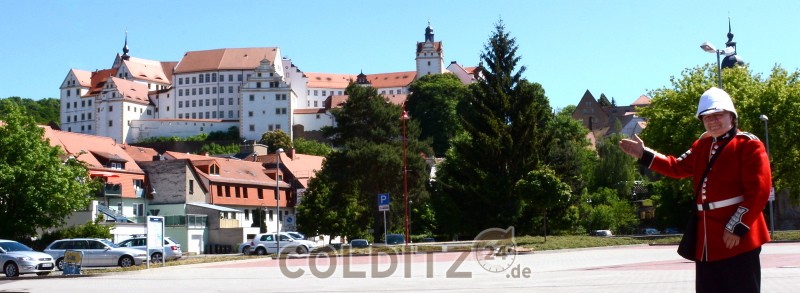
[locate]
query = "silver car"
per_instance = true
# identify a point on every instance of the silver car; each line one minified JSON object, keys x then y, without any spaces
{"x":96,"y":253}
{"x":172,"y":250}
{"x":17,"y":258}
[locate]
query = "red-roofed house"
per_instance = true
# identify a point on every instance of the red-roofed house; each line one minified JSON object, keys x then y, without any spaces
{"x":601,"y":116}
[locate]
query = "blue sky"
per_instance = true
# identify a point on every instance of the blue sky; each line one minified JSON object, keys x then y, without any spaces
{"x":621,"y":48}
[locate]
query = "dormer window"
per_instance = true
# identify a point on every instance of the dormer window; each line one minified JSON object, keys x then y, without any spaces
{"x":213,"y":170}
{"x":116,"y":165}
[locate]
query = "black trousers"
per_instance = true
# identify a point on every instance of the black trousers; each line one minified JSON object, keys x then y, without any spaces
{"x":741,"y":273}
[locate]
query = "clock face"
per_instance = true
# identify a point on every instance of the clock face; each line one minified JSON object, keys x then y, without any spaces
{"x":495,"y":256}
{"x":495,"y":249}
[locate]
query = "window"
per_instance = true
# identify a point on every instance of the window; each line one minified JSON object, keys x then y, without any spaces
{"x":68,"y":118}
{"x":116,"y":165}
{"x":110,"y":108}
{"x":214,"y":90}
{"x":252,"y":98}
{"x":213,"y":77}
{"x":208,"y":102}
{"x":315,"y":92}
{"x":180,"y":80}
{"x":258,"y":85}
{"x":252,"y":127}
{"x":230,"y":91}
{"x":208,"y":91}
{"x":230,"y":102}
{"x":191,"y":186}
{"x":83,"y":116}
{"x":324,"y":93}
{"x":207,"y":77}
{"x":222,"y":88}
{"x":213,"y":170}
{"x":90,"y":103}
{"x":221,"y":77}
{"x":315,"y":103}
{"x":239,"y":78}
{"x":221,"y":100}
{"x":180,"y":104}
{"x":249,"y":113}
{"x":230,"y":114}
{"x":194,"y":92}
{"x":271,"y":127}
{"x":138,"y":209}
{"x":180,"y":92}
{"x":110,"y":123}
{"x":180,"y":116}
{"x":221,"y":114}
{"x":89,"y":115}
{"x":194,"y":103}
{"x":83,"y":102}
{"x":270,"y":218}
{"x":246,"y":214}
{"x":214,"y":114}
{"x":277,"y":126}
{"x":194,"y":79}
{"x":208,"y":115}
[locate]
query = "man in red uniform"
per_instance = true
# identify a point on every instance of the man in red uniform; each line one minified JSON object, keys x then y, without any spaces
{"x":729,"y":199}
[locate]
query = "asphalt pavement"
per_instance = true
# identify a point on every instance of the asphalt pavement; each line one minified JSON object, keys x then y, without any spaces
{"x":637,"y":268}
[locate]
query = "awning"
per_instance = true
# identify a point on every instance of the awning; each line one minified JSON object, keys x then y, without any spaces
{"x":102,"y":174}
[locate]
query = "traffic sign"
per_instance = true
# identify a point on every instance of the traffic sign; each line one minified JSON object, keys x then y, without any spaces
{"x":383,"y":202}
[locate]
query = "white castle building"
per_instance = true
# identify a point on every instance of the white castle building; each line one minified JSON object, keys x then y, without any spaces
{"x":254,"y":89}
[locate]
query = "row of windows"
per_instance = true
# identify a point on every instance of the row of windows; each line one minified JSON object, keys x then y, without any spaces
{"x":278,"y":111}
{"x":247,"y":214}
{"x":238,"y":191}
{"x":391,"y":92}
{"x":84,"y":116}
{"x":325,"y":92}
{"x":278,"y":97}
{"x":83,"y":103}
{"x":83,"y":128}
{"x":206,"y":91}
{"x":208,"y":115}
{"x":208,"y":77}
{"x":77,"y":92}
{"x":208,"y":102}
{"x":270,"y":127}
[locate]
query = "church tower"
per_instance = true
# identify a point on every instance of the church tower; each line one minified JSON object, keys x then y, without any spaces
{"x":430,"y":56}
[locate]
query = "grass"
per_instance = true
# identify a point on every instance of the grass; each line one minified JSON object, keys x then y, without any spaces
{"x":535,"y":243}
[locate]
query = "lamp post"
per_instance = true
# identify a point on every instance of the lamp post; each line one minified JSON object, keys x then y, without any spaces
{"x":405,"y":172}
{"x":278,"y":198}
{"x":772,"y":191}
{"x":708,"y":47}
{"x":731,"y":58}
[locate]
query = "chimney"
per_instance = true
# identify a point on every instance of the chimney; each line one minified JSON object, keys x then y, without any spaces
{"x":291,"y":153}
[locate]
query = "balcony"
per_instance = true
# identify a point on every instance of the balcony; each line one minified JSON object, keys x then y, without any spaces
{"x":189,"y":221}
{"x":229,"y":223}
{"x":114,"y":190}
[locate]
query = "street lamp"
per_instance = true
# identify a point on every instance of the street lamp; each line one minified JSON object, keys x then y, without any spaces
{"x":772,"y":191}
{"x":405,"y":170}
{"x":278,"y":197}
{"x":731,"y":58}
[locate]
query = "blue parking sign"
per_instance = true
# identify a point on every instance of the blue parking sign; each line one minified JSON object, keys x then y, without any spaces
{"x":383,"y":202}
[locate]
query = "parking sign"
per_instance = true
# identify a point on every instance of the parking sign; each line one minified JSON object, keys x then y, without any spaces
{"x":383,"y":202}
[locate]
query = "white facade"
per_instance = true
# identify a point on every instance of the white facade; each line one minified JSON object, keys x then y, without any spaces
{"x":267,"y":102}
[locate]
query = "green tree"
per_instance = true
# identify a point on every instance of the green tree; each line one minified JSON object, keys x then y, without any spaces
{"x":38,"y":189}
{"x":216,"y":149}
{"x":615,"y":169}
{"x":505,"y":119}
{"x":276,"y":139}
{"x":777,"y":96}
{"x":342,"y":198}
{"x":42,"y":111}
{"x":605,"y":209}
{"x":433,"y":103}
{"x":311,"y":147}
{"x":542,"y":191}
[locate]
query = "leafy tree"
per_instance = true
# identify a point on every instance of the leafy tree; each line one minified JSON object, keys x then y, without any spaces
{"x":275,"y":140}
{"x":605,"y":209}
{"x":433,"y":103}
{"x":777,"y":96}
{"x":231,"y":134}
{"x":342,"y":198}
{"x":42,"y":111}
{"x":615,"y":169}
{"x":38,"y":189}
{"x":216,"y":149}
{"x":542,"y":191}
{"x":505,"y":119}
{"x":311,"y":147}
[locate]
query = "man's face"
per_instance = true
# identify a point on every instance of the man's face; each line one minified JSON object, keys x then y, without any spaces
{"x":718,"y":123}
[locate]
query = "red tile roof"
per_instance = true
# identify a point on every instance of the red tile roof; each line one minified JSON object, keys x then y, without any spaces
{"x":99,"y":79}
{"x":641,"y":101}
{"x":139,"y":154}
{"x":390,"y":80}
{"x":309,"y":111}
{"x":84,"y":77}
{"x":329,"y":80}
{"x":303,"y":167}
{"x":147,"y":70}
{"x":132,"y":91}
{"x":230,"y":170}
{"x":225,"y":59}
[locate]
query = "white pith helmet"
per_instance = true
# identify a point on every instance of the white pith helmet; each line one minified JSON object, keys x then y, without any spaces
{"x":715,"y":100}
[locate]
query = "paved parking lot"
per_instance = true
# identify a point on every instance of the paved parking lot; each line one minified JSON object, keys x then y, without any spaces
{"x":638,"y":269}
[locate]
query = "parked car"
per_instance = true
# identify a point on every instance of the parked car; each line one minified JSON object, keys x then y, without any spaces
{"x":296,"y":235}
{"x":265,"y":243}
{"x":96,"y":253}
{"x":672,"y":231}
{"x":17,"y":259}
{"x":244,"y":247}
{"x":172,"y":250}
{"x":651,"y":231}
{"x":359,"y":243}
{"x":395,"y":239}
{"x":602,"y":233}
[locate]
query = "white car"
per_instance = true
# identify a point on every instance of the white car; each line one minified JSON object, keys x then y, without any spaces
{"x":17,"y":258}
{"x":172,"y":250}
{"x":266,"y":243}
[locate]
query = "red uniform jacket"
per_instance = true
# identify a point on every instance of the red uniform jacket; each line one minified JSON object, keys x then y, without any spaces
{"x":741,"y":169}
